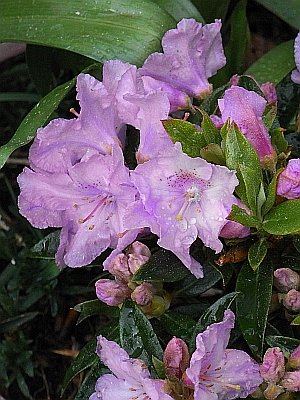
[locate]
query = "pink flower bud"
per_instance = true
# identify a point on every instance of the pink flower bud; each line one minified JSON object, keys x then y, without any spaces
{"x":138,"y":255}
{"x":294,"y":359}
{"x":176,"y":357}
{"x":291,"y":381}
{"x":111,"y":292}
{"x":291,"y":300}
{"x":272,"y":368}
{"x":143,"y":293}
{"x":120,"y":269}
{"x":286,"y":279}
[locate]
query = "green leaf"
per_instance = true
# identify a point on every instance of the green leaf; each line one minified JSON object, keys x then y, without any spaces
{"x":180,"y":9}
{"x":288,"y":10}
{"x":184,"y":132}
{"x":248,"y":83}
{"x":213,"y":153}
{"x":269,"y":115}
{"x":296,"y":242}
{"x":214,"y":313}
{"x":47,"y":247}
{"x":136,"y":334}
{"x":275,"y":65}
{"x":271,"y":195}
{"x":159,"y":367}
{"x":191,"y":286}
{"x":15,"y":322}
{"x":296,"y":321}
{"x":252,"y":305}
{"x":241,"y":156}
{"x":286,"y":344}
{"x":210,"y":132}
{"x":163,"y":266}
{"x":212,"y":9}
{"x":278,"y":140}
{"x":178,"y":324}
{"x":257,"y":253}
{"x":283,"y":219}
{"x":36,"y":118}
{"x":240,"y":215}
{"x":87,"y":387}
{"x":93,"y":307}
{"x":127,"y":30}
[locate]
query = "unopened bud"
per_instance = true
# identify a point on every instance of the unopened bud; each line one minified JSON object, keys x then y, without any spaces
{"x":272,"y":368}
{"x":158,"y":305}
{"x":291,"y":381}
{"x":286,"y":279}
{"x":119,"y":268}
{"x":138,"y":255}
{"x":111,"y":292}
{"x":291,"y":301}
{"x":143,"y":294}
{"x":294,"y":359}
{"x":176,"y":357}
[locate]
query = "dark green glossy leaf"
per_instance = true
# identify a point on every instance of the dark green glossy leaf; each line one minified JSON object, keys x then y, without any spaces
{"x":47,"y":247}
{"x":271,"y":195}
{"x":136,"y":334}
{"x":283,"y":219}
{"x":248,"y":83}
{"x":239,"y":40}
{"x":252,"y":304}
{"x":36,"y":118}
{"x":210,"y":104}
{"x":288,"y":10}
{"x":275,"y":65}
{"x":180,"y":9}
{"x":214,"y":313}
{"x":127,"y":30}
{"x":288,"y":101}
{"x":159,"y":368}
{"x":184,"y":132}
{"x":178,"y":324}
{"x":163,"y":266}
{"x":191,"y":286}
{"x":15,"y":322}
{"x":286,"y":344}
{"x":296,"y":242}
{"x":257,"y":253}
{"x":238,"y":214}
{"x":93,"y":307}
{"x":212,"y":9}
{"x":88,"y":385}
{"x":278,"y":140}
{"x":269,"y":115}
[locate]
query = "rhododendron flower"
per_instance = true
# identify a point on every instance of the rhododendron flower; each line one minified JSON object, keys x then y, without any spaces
{"x":183,"y":198}
{"x":192,"y":54}
{"x":296,"y":73}
{"x":246,"y":108}
{"x":288,"y":183}
{"x":111,"y":292}
{"x":88,"y":202}
{"x":272,"y":368}
{"x":131,"y":379}
{"x":217,"y":373}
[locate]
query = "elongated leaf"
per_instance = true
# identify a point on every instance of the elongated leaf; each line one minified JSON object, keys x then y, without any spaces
{"x":137,"y":335}
{"x":240,"y":215}
{"x":180,"y":9}
{"x":286,"y":344}
{"x":178,"y":324}
{"x":127,"y":30}
{"x":257,"y":253}
{"x":36,"y":118}
{"x":93,"y":307}
{"x":275,"y":65}
{"x":15,"y":322}
{"x":214,"y":313}
{"x":88,"y":385}
{"x":296,"y":321}
{"x":252,"y":305}
{"x":212,"y":9}
{"x":210,"y":132}
{"x":283,"y":219}
{"x":288,"y":10}
{"x":163,"y":266}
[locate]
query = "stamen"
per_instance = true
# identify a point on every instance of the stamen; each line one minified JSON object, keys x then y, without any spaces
{"x":73,"y":111}
{"x":91,"y":214}
{"x":183,"y":208}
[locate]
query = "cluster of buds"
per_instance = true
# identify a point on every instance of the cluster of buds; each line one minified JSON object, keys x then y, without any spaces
{"x":151,"y":298}
{"x":281,"y":377}
{"x":287,"y":282}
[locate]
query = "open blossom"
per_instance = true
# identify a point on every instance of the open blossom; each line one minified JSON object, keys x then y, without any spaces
{"x":183,"y":198}
{"x":217,"y":373}
{"x":288,"y":183}
{"x":192,"y":54}
{"x":246,"y":108}
{"x":131,"y":379}
{"x":88,"y":202}
{"x":296,"y":73}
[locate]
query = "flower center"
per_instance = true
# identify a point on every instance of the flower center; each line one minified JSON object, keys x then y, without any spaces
{"x":192,"y":195}
{"x":212,"y":380}
{"x":103,"y":201}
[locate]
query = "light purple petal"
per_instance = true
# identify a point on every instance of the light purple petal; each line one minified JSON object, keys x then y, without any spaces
{"x":192,"y":54}
{"x":296,"y":74}
{"x":288,"y":183}
{"x":246,"y":109}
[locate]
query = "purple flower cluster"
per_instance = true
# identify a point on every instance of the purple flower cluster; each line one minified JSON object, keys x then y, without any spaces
{"x":79,"y":180}
{"x":212,"y":373}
